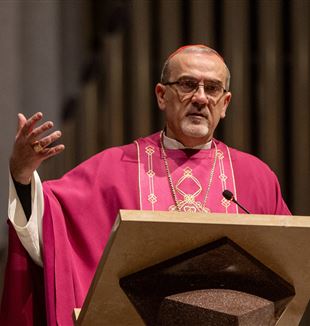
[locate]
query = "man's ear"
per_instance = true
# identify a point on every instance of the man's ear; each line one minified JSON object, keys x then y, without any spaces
{"x":160,"y":91}
{"x":227,"y":99}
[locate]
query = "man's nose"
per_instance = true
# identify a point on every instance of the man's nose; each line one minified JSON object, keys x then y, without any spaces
{"x":200,"y":95}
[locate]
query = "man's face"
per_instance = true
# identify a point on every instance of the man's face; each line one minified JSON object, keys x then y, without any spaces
{"x":191,"y":117}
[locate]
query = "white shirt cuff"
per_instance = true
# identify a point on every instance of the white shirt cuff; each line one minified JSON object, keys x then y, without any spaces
{"x":29,"y":232}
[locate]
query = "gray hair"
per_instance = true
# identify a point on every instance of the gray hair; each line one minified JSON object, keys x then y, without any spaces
{"x":166,"y":71}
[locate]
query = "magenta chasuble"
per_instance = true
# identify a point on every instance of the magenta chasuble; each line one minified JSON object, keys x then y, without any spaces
{"x":81,"y":207}
{"x":198,"y":176}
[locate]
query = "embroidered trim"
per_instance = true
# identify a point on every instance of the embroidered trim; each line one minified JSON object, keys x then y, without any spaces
{"x":233,"y":177}
{"x":152,"y":198}
{"x":223,"y":177}
{"x":189,"y":203}
{"x":139,"y":174}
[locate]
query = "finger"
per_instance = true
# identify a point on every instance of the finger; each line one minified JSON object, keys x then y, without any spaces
{"x":28,"y":126}
{"x":44,"y":142}
{"x":52,"y":151}
{"x":39,"y":130}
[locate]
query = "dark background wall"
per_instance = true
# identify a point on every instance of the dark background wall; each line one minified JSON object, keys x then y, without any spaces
{"x":91,"y":66}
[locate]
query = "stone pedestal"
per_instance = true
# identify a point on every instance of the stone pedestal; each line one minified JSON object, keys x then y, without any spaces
{"x":216,"y":307}
{"x":216,"y":284}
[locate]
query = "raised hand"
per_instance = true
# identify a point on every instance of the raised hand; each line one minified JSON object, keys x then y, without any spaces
{"x":31,"y":148}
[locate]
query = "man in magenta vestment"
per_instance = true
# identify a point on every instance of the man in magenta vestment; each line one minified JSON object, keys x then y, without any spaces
{"x":68,"y":222}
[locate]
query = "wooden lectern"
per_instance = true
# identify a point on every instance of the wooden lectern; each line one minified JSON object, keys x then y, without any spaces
{"x":142,"y":239}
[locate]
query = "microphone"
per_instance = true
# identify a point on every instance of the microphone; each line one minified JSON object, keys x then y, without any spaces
{"x":229,"y":196}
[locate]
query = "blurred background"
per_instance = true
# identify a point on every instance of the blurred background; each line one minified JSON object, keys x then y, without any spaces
{"x":91,"y":67}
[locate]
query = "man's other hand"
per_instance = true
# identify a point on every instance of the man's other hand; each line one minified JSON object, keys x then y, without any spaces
{"x":31,"y":147}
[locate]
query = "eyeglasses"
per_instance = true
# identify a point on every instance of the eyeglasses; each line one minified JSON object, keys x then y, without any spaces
{"x":190,"y":86}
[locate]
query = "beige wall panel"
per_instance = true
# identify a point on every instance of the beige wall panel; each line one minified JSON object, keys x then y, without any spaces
{"x":236,"y":54}
{"x":10,"y":99}
{"x":300,"y":107}
{"x":270,"y":83}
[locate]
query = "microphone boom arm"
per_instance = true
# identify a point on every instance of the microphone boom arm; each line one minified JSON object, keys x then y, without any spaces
{"x":229,"y":196}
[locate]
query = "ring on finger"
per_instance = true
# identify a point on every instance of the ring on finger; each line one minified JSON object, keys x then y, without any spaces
{"x":37,"y":147}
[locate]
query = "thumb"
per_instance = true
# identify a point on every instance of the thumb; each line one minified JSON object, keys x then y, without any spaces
{"x":21,"y":121}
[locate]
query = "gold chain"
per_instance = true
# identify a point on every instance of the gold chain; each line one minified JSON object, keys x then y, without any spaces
{"x":173,"y":192}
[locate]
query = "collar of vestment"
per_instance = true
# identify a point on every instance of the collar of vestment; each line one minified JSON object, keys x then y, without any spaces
{"x":171,"y":143}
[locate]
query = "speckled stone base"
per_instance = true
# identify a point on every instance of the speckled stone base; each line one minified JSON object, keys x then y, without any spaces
{"x":163,"y":289}
{"x":216,"y":307}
